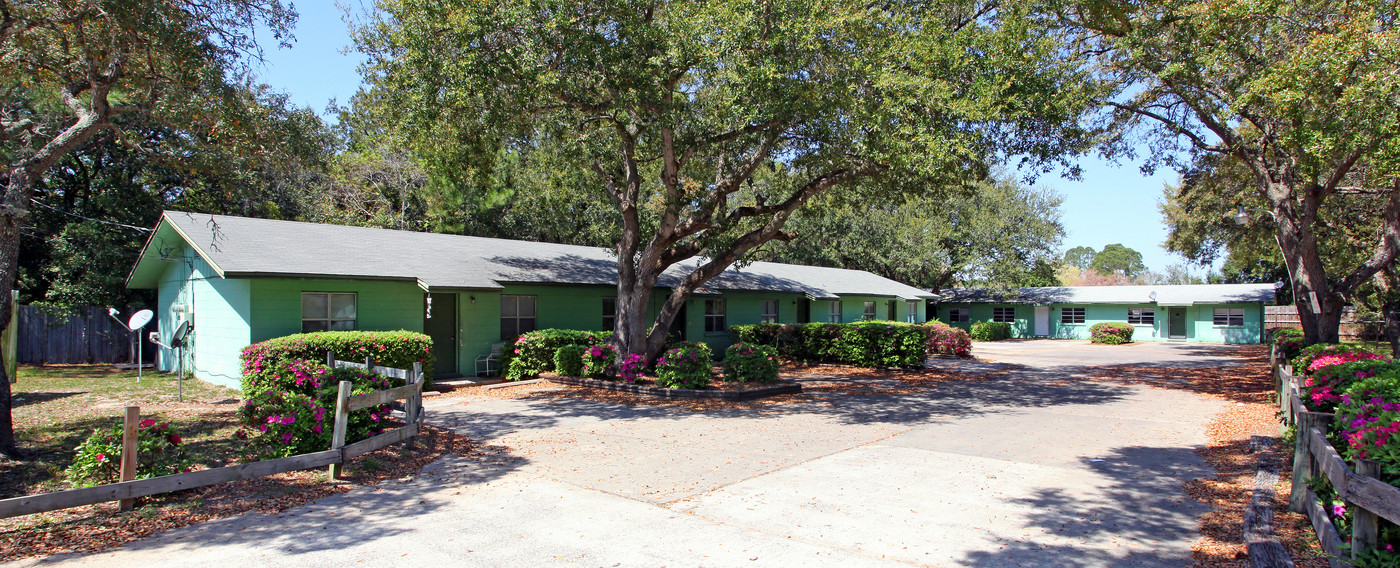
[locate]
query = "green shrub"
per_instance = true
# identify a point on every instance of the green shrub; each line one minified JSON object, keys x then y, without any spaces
{"x":1288,"y":341}
{"x":1111,"y":333}
{"x":398,"y":349}
{"x":533,"y":352}
{"x":749,"y":363}
{"x":882,"y":344}
{"x":568,"y":361}
{"x":294,"y":412}
{"x":948,"y":340}
{"x":159,"y":451}
{"x":867,"y":343}
{"x":990,"y":331}
{"x":600,"y":362}
{"x":686,"y":366}
{"x":1303,"y":363}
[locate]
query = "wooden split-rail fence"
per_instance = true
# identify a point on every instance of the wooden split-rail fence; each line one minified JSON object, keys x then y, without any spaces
{"x":1368,"y":498}
{"x":128,"y":489}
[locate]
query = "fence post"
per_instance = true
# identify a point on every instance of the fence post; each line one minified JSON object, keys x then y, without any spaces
{"x":415,"y":403}
{"x":1365,"y":525}
{"x":1302,"y":460}
{"x":342,"y":419}
{"x":330,"y":359}
{"x":128,"y":466}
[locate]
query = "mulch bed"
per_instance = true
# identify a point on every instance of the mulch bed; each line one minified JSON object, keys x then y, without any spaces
{"x":1248,"y":387}
{"x":98,"y":527}
{"x":719,"y":390}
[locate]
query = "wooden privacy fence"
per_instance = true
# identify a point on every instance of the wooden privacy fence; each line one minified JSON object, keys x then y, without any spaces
{"x":1368,"y":498}
{"x":1352,"y":329}
{"x":84,"y":335}
{"x":339,"y":453}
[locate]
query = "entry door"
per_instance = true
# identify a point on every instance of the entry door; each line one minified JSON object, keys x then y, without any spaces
{"x":1042,"y":321}
{"x":440,"y":323}
{"x":804,"y":310}
{"x":1176,"y":323}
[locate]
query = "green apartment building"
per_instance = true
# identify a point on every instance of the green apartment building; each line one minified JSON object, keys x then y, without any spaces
{"x":1208,"y":313}
{"x":238,"y":281}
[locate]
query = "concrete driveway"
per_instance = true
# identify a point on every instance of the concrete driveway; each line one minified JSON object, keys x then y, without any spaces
{"x":1026,"y":468}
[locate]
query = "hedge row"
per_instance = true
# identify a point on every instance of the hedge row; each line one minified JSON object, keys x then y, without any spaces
{"x":865,"y":344}
{"x":533,"y":353}
{"x":398,"y":349}
{"x":991,"y":331}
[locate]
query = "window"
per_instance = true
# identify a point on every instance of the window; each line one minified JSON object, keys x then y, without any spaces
{"x":323,"y":311}
{"x":959,"y":315}
{"x":1071,"y":315}
{"x":770,"y":312}
{"x":833,"y":311}
{"x":913,"y":315}
{"x":714,"y":316}
{"x":1007,"y":315}
{"x":1230,"y":317}
{"x":1141,"y":316}
{"x":609,"y":314}
{"x":517,"y":316}
{"x":869,"y":311}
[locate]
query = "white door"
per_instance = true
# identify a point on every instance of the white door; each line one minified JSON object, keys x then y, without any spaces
{"x":1042,"y":321}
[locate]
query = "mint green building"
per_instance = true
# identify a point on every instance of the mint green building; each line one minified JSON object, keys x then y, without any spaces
{"x":238,"y":281}
{"x":1208,"y":313}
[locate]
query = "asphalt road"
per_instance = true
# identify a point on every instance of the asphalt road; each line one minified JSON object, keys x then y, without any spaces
{"x":1028,"y":469}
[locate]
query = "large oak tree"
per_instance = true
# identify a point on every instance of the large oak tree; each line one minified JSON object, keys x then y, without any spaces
{"x":1297,"y":93}
{"x":71,"y":70}
{"x":671,"y":107}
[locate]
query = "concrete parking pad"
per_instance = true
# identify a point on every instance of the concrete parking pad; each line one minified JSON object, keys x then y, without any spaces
{"x":1032,"y":468}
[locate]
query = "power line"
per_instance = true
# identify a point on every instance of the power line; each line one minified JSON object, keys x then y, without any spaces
{"x":47,"y":206}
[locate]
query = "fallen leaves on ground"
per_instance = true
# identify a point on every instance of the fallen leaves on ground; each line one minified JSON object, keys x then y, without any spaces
{"x":98,"y":527}
{"x":1248,"y":387}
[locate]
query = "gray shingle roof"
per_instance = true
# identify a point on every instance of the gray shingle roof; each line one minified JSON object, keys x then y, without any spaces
{"x":242,"y":246}
{"x":1164,"y":295}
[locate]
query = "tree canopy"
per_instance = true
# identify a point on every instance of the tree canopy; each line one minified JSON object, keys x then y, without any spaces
{"x":1298,"y":94}
{"x":671,"y":108}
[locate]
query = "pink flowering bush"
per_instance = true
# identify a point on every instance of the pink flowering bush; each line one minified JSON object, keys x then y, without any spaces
{"x":1322,"y":389}
{"x":159,"y":451}
{"x":1303,"y":363}
{"x":685,"y":366}
{"x":600,"y":362}
{"x":948,"y":340}
{"x":632,"y":368}
{"x":533,"y":353}
{"x":1369,"y":418}
{"x":1288,"y":341}
{"x":746,"y":362}
{"x":295,"y":413}
{"x":398,"y":349}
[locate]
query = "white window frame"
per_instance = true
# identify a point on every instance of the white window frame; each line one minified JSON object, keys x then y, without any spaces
{"x":869,"y":311}
{"x":609,"y":313}
{"x":1142,"y":316}
{"x":999,"y":315}
{"x":959,"y":315}
{"x":833,"y":311}
{"x":768,"y":312}
{"x":520,"y":329}
{"x":715,"y":309}
{"x":913,"y":315}
{"x":1233,"y":317}
{"x":1071,"y":316}
{"x":327,"y":318}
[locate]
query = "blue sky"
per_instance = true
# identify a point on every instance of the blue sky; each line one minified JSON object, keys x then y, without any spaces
{"x":1112,"y":203}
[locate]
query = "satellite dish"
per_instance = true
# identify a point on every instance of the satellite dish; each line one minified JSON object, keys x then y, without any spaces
{"x":181,"y":332}
{"x":140,"y":319}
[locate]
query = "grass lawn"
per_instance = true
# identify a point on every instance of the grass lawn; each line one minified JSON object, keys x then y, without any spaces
{"x":57,"y":407}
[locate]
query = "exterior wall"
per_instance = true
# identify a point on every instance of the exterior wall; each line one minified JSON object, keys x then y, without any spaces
{"x":379,"y":305}
{"x":1200,"y":321}
{"x":220,"y":314}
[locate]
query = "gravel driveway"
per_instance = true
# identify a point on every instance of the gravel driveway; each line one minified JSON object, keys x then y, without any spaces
{"x":1022,"y":468}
